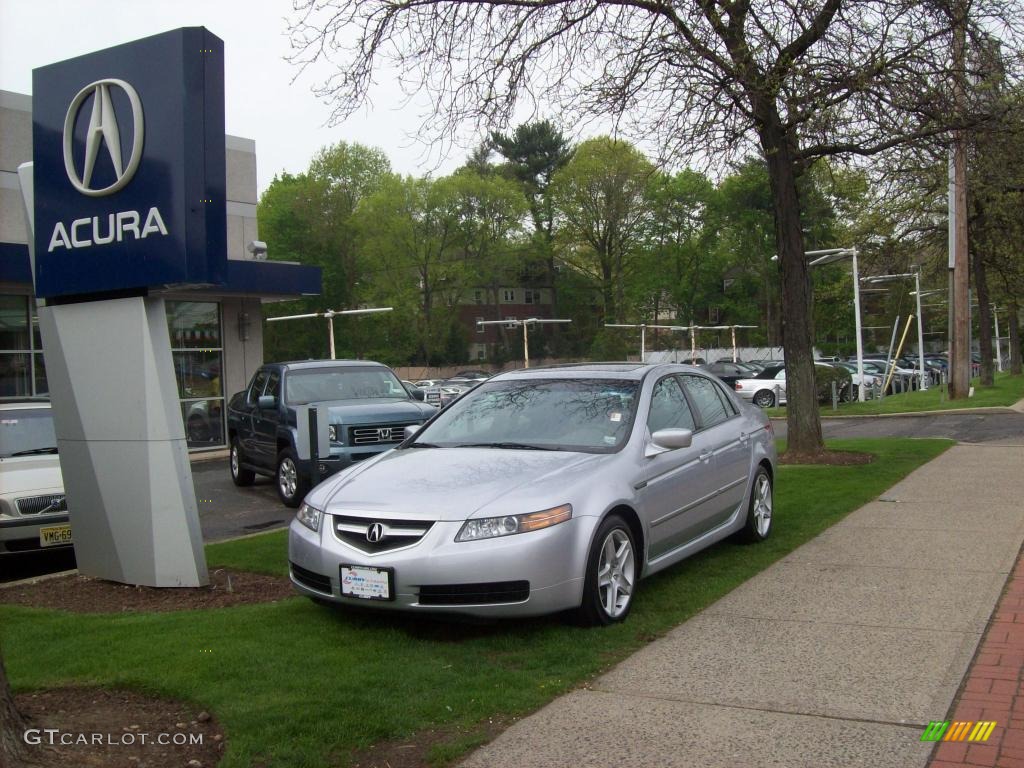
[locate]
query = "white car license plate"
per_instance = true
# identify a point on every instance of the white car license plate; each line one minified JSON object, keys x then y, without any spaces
{"x":54,"y":535}
{"x":366,"y":582}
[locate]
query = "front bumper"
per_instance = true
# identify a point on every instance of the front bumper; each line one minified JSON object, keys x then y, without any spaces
{"x":21,"y":534}
{"x":552,"y":561}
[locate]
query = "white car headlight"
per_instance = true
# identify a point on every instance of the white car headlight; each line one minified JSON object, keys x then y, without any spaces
{"x":309,"y":516}
{"x":492,"y":527}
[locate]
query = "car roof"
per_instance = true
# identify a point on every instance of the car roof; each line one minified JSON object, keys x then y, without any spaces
{"x":23,"y":405}
{"x":615,"y":370}
{"x":304,"y":364}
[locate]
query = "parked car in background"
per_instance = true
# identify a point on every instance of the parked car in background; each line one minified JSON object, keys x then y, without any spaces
{"x":870,"y":379}
{"x":728,"y":372}
{"x":472,"y":375}
{"x":540,"y":491}
{"x":768,"y":388}
{"x":368,"y":409}
{"x":33,"y":510}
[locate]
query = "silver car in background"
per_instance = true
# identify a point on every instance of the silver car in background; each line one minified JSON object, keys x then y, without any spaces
{"x":539,"y":491}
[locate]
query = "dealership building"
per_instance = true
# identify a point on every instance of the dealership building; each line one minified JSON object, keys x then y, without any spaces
{"x":215,"y":333}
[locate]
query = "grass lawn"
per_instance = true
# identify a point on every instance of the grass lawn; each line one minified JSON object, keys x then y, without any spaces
{"x":1007,"y":390}
{"x":295,"y":684}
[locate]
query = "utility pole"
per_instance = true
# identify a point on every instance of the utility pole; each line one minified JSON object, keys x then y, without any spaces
{"x":524,"y":324}
{"x":330,"y":314}
{"x":959,"y":349}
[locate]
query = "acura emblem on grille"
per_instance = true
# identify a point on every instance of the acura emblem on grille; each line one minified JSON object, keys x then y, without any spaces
{"x":375,"y":533}
{"x":384,"y":433}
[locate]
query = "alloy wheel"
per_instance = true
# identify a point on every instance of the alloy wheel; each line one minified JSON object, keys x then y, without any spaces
{"x":287,"y":477}
{"x":763,"y":505}
{"x":616,"y":573}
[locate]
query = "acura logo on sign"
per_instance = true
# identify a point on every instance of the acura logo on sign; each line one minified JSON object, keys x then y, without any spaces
{"x":103,"y":130}
{"x":375,"y":533}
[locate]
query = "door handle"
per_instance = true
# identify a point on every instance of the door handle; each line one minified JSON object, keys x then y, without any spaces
{"x":706,"y":456}
{"x":744,"y":437}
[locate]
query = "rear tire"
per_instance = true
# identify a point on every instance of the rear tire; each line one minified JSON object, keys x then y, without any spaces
{"x":759,"y":509}
{"x":240,"y":476}
{"x":764,"y":399}
{"x":292,"y":487}
{"x":613,"y":572}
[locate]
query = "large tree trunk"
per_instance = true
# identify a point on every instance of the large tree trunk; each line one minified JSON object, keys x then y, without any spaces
{"x":984,"y":321}
{"x":1015,"y":362}
{"x":12,"y":726}
{"x":802,"y":418}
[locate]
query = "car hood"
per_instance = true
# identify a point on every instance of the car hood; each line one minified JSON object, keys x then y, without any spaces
{"x":457,"y":483}
{"x":23,"y":475}
{"x":377,"y":411}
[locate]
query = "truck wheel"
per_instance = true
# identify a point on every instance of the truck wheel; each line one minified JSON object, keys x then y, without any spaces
{"x":292,"y":487}
{"x":240,"y":476}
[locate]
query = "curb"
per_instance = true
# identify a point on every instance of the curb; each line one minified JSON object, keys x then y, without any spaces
{"x":952,"y":411}
{"x":37,"y":579}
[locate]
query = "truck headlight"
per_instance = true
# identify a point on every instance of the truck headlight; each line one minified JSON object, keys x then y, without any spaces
{"x":309,"y":516}
{"x":507,"y":525}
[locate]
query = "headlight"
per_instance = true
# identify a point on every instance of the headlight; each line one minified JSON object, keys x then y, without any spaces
{"x":332,"y":433}
{"x":492,"y":527}
{"x":309,"y":516}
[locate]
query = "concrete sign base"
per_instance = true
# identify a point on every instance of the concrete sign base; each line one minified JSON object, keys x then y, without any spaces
{"x":122,"y":442}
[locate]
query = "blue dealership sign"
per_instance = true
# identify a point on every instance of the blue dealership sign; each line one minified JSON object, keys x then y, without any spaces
{"x":129,"y":168}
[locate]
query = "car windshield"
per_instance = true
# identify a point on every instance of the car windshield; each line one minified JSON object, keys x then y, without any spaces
{"x":589,"y":415}
{"x":26,"y":431}
{"x":317,"y":385}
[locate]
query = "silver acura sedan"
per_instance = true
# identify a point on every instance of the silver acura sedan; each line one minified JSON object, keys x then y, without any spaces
{"x":541,"y":490}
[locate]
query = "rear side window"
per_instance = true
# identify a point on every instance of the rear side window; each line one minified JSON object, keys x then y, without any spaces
{"x":669,"y":408}
{"x":706,"y":399}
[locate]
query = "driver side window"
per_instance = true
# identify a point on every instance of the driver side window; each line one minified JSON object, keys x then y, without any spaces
{"x":669,"y":409}
{"x":256,"y":388}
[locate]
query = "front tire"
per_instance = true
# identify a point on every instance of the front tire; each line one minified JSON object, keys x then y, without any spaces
{"x":613,"y":571}
{"x":764,"y":399}
{"x":240,"y":476}
{"x":292,"y":487}
{"x":759,"y":510}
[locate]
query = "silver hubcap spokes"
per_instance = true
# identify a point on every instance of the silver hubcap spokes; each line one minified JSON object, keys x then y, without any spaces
{"x":287,"y":478}
{"x":763,"y":505}
{"x":765,"y":400}
{"x":615,"y":573}
{"x":234,"y":461}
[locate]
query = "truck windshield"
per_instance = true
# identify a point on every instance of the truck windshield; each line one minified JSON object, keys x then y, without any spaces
{"x":317,"y":385}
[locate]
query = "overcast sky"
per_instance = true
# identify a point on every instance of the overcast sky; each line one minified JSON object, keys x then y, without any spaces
{"x":287,"y":121}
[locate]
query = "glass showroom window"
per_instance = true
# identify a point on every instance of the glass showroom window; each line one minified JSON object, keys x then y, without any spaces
{"x":22,"y":371}
{"x":198,"y":354}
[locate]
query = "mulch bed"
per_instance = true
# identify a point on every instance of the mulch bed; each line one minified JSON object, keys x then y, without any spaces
{"x":100,"y":728}
{"x":84,"y":594}
{"x":827,"y":458}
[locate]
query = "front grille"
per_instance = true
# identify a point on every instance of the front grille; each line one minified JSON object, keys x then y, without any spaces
{"x":37,"y":505}
{"x":393,"y":534}
{"x":475,"y":594}
{"x":312,"y":580}
{"x":377,"y":434}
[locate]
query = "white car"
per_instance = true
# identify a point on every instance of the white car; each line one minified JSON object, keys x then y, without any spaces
{"x":33,"y":511}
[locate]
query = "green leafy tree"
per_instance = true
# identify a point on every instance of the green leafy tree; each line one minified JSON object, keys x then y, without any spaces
{"x":308,"y":218}
{"x":601,"y":197}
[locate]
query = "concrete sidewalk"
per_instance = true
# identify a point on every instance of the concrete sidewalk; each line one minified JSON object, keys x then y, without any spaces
{"x":839,"y":654}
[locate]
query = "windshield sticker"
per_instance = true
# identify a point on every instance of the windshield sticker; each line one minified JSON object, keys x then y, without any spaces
{"x":8,"y":422}
{"x":615,"y":416}
{"x":609,"y":439}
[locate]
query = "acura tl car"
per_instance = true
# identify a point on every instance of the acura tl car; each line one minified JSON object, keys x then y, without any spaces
{"x":539,"y":491}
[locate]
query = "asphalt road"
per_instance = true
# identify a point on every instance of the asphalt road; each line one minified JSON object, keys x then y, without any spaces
{"x":994,"y":428}
{"x":226,"y":511}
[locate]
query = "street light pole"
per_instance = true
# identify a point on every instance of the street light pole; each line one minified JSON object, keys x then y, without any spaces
{"x":827,"y":256}
{"x":524,"y":324}
{"x":920,"y":331}
{"x":330,"y":315}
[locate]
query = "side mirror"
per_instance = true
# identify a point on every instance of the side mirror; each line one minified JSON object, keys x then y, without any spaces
{"x":669,"y":440}
{"x":267,"y":402}
{"x":411,"y":430}
{"x":417,"y":394}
